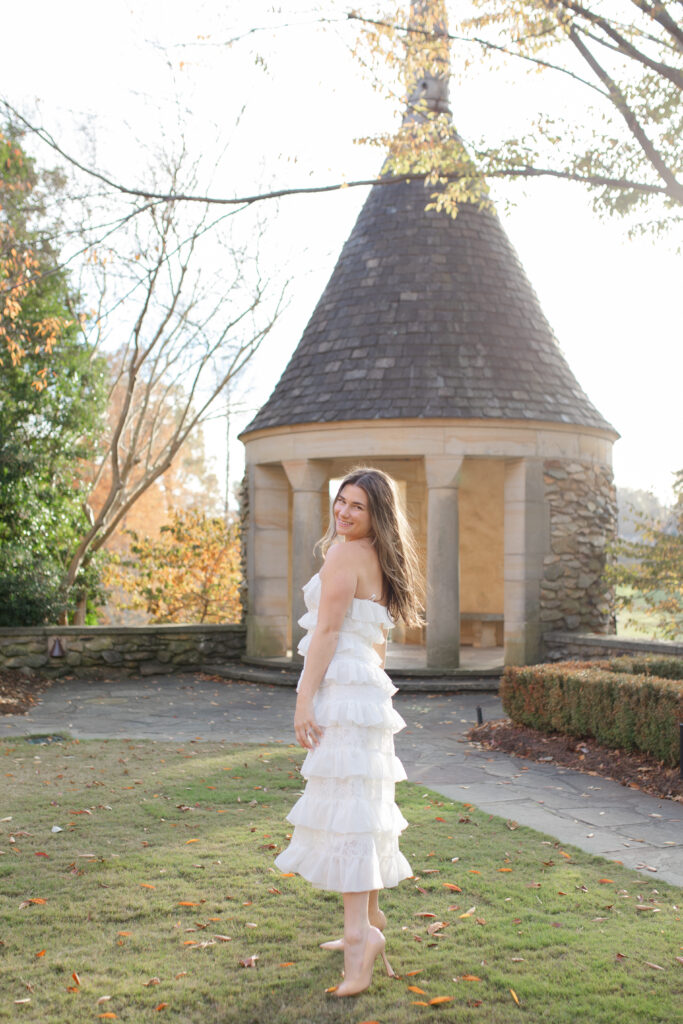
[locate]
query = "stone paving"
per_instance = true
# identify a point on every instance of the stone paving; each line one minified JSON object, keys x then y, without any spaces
{"x":594,"y":814}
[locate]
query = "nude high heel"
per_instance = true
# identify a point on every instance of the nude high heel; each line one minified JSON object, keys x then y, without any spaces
{"x":374,"y":947}
{"x":338,"y":944}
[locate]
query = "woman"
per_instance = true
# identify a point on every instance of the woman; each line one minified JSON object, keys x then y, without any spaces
{"x":347,"y":825}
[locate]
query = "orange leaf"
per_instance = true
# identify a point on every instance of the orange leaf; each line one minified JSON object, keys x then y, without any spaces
{"x":505,"y":869}
{"x":514,"y":996}
{"x":152,"y":981}
{"x":606,"y":881}
{"x":419,"y":1002}
{"x":124,"y":933}
{"x":161,"y":1006}
{"x":424,"y":913}
{"x":562,"y":854}
{"x":42,"y":953}
{"x":76,"y":978}
{"x":470,"y":977}
{"x":440,"y":999}
{"x":287,"y":963}
{"x":414,"y":988}
{"x":332,"y":988}
{"x":439,"y":819}
{"x":290,"y":874}
{"x":409,"y":974}
{"x":146,"y":885}
{"x":188,"y":841}
{"x":39,"y":853}
{"x":187,"y":903}
{"x":453,"y":888}
{"x":472,"y":871}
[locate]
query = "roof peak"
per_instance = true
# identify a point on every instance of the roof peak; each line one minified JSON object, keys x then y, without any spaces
{"x":427,"y":63}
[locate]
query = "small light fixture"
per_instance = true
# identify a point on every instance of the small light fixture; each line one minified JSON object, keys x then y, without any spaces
{"x":56,"y":650}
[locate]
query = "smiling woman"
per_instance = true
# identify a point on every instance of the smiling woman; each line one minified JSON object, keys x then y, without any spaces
{"x":346,"y":824}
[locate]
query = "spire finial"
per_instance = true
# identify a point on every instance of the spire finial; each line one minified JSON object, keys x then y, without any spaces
{"x":427,"y":60}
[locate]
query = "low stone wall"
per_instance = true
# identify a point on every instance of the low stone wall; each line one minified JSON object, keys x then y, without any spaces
{"x":561,"y":646}
{"x":124,"y":650}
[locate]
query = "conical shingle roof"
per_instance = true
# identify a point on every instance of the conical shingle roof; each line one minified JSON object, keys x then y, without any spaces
{"x":426,"y":316}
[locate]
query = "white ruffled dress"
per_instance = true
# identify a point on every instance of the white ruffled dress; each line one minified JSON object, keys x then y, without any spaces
{"x":346,"y":823}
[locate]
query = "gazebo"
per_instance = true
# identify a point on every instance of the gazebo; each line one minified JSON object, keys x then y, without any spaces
{"x":428,"y":355}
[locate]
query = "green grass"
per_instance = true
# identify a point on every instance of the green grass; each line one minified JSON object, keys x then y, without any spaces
{"x":200,"y":824}
{"x":638,"y":622}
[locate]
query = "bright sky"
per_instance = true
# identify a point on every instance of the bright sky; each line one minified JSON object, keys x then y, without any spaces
{"x":117,"y":69}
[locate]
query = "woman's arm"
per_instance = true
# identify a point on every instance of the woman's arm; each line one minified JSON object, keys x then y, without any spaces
{"x":338,"y":579}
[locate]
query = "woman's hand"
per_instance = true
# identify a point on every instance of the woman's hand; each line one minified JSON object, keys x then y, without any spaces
{"x":308,"y":732}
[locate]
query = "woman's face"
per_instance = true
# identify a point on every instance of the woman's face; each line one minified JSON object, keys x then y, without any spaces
{"x":351,"y":513}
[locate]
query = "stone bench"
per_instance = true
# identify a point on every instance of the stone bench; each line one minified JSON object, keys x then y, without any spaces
{"x":481,"y":629}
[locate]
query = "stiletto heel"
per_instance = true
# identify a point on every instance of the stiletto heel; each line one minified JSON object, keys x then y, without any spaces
{"x":374,"y":947}
{"x":391,"y":973}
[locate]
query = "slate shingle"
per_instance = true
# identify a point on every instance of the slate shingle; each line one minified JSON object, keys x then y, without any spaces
{"x":426,"y":316}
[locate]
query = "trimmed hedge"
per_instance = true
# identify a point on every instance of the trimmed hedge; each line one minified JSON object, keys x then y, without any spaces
{"x":622,"y":702}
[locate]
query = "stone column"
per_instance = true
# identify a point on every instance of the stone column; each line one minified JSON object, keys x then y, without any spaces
{"x":527,"y":541}
{"x":268,"y":634}
{"x":443,"y":561}
{"x":307,"y":479}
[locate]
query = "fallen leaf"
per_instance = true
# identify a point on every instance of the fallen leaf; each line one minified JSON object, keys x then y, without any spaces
{"x":514,"y":996}
{"x":410,"y":974}
{"x":249,"y":961}
{"x":332,"y":988}
{"x":474,"y":1002}
{"x":440,"y":999}
{"x":505,"y":869}
{"x":187,"y":843}
{"x":124,"y":933}
{"x":481,"y":920}
{"x":146,"y":885}
{"x":512,"y":825}
{"x":419,"y":991}
{"x":453,"y":888}
{"x":76,"y":978}
{"x":39,"y":853}
{"x":439,"y":819}
{"x":17,"y":1002}
{"x":436,"y":926}
{"x":419,"y":1002}
{"x":290,"y":874}
{"x":655,"y":967}
{"x":562,"y":854}
{"x":152,"y":981}
{"x":518,"y":959}
{"x":468,"y":913}
{"x":251,"y":924}
{"x":423,"y":913}
{"x":42,"y":953}
{"x":470,"y":977}
{"x":287,"y":963}
{"x":223,"y":938}
{"x":606,"y":881}
{"x":107,"y":1016}
{"x":161,"y":1006}
{"x":187,"y":903}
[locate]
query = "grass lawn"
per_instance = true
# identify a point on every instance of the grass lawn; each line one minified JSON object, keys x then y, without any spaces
{"x":161,"y":882}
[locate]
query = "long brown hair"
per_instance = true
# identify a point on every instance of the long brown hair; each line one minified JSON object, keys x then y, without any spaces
{"x":393,"y":540}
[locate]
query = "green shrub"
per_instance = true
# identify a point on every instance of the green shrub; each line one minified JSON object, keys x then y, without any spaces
{"x":621,"y":702}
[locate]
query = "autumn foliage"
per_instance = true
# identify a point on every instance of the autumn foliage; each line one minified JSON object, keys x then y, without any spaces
{"x":190,"y":573}
{"x":25,"y":327}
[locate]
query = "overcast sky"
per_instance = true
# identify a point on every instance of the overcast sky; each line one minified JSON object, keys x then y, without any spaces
{"x":124,"y":70}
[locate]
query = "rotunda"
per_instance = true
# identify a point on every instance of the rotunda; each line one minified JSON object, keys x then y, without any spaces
{"x":428,"y":355}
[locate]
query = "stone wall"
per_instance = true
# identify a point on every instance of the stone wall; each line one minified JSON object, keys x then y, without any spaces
{"x":562,"y":646}
{"x":582,"y":501}
{"x":124,"y":650}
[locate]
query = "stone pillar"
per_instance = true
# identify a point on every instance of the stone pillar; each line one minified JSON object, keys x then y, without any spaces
{"x":307,"y":479}
{"x":527,"y":541}
{"x":268,"y":634}
{"x":443,"y":561}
